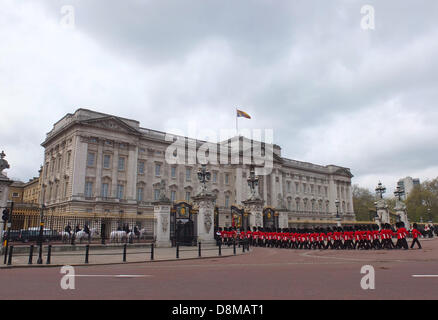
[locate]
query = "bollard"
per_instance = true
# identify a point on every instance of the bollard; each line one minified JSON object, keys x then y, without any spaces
{"x":152,"y":251}
{"x":11,"y":248}
{"x":40,"y":254}
{"x":177,"y":251}
{"x":220,"y":248}
{"x":87,"y":251}
{"x":199,"y":249}
{"x":49,"y":253}
{"x":30,"y":254}
{"x":234,"y":247}
{"x":124,"y":252}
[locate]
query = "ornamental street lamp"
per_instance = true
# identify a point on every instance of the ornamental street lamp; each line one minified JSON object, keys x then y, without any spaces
{"x":40,"y":236}
{"x":380,"y":190}
{"x":399,"y":193}
{"x":429,"y":214}
{"x":253,"y":182}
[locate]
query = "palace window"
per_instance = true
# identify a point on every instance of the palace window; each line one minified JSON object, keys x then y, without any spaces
{"x":90,"y":159}
{"x":173,"y":172}
{"x":188,"y":174}
{"x":214,"y":176}
{"x":157,"y":170}
{"x":139,"y":194}
{"x":188,"y":196}
{"x":172,"y":195}
{"x":88,"y":188}
{"x":105,"y":190}
{"x":227,"y":201}
{"x":106,"y":161}
{"x":120,"y":190}
{"x":156,"y":194}
{"x":68,"y":159}
{"x":227,"y":178}
{"x":141,"y":167}
{"x":121,"y":166}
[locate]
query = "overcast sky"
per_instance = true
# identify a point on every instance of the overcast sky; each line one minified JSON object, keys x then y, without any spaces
{"x":333,"y":92}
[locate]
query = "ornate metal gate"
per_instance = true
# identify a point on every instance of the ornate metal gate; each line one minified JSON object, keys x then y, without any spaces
{"x":270,"y":218}
{"x":183,"y":224}
{"x":240,"y":220}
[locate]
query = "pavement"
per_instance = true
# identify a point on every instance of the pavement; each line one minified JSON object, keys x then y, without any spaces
{"x":261,"y":274}
{"x":114,"y":255}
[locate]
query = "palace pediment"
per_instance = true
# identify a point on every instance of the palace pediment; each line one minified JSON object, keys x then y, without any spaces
{"x":111,"y":123}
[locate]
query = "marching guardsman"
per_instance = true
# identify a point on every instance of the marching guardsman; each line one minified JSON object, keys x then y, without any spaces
{"x":401,"y":236}
{"x":261,"y":237}
{"x":376,"y":242}
{"x":357,"y":242}
{"x":315,"y":237}
{"x":322,"y":237}
{"x":268,"y":237}
{"x":415,"y":235}
{"x":391,"y":234}
{"x":329,"y":237}
{"x":301,"y":238}
{"x":255,"y":237}
{"x":294,"y":236}
{"x":346,"y":236}
{"x":248,"y":235}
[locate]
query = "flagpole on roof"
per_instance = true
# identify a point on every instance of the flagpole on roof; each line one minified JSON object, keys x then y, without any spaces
{"x":237,"y":125}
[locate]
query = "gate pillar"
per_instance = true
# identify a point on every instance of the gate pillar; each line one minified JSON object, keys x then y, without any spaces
{"x":255,"y":210}
{"x":205,"y":205}
{"x":162,"y":224}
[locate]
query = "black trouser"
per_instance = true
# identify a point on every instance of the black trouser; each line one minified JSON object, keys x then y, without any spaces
{"x":321,"y":244}
{"x":377,"y":244}
{"x":329,"y":244}
{"x":415,"y":241}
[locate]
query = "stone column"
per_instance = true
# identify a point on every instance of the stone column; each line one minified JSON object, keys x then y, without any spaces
{"x":162,"y":223}
{"x":255,"y":209}
{"x":205,"y":204}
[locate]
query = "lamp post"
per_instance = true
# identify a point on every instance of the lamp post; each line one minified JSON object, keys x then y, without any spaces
{"x":429,"y":215}
{"x":380,"y":190}
{"x":399,"y":193}
{"x":40,"y":236}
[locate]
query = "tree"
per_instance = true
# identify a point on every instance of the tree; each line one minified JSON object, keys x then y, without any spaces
{"x":421,"y":198}
{"x":363,"y":202}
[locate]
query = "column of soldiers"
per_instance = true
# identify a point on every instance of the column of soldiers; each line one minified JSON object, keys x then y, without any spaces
{"x":362,"y":237}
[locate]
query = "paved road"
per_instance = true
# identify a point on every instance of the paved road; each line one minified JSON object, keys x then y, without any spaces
{"x":264,"y":273}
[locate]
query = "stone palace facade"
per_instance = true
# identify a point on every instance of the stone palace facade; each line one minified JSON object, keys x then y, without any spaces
{"x":104,"y":165}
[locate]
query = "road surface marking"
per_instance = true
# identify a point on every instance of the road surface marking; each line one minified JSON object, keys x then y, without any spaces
{"x":425,"y":275}
{"x":114,"y":275}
